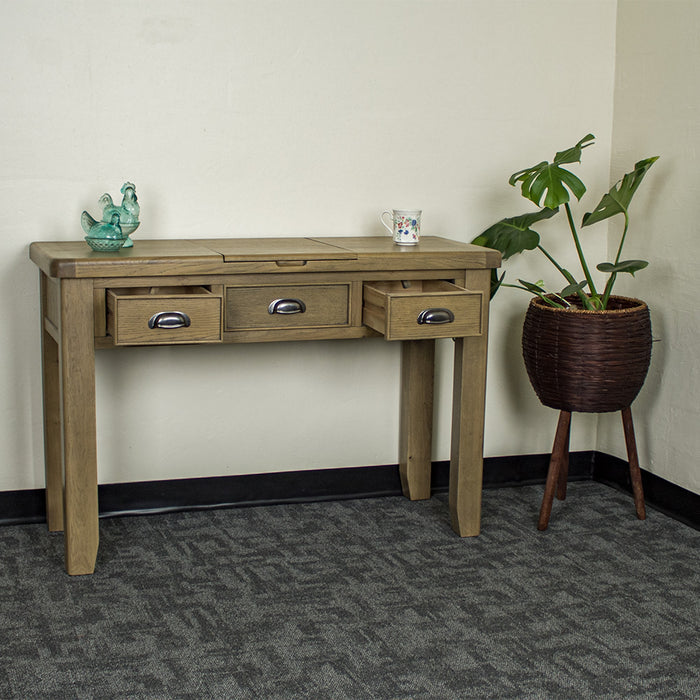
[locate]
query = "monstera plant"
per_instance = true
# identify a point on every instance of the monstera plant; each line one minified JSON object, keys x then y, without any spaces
{"x":585,"y":349}
{"x":550,"y":185}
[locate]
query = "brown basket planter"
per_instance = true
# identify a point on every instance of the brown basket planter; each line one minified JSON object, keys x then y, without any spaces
{"x":587,"y":361}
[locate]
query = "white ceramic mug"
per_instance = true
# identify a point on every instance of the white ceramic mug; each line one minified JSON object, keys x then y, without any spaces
{"x":405,"y":227}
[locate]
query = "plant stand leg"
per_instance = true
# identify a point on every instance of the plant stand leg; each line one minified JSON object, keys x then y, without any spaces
{"x":635,"y":473}
{"x":558,"y":464}
{"x":564,"y":465}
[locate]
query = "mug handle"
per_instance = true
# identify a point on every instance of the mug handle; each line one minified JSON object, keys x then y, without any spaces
{"x":390,"y":229}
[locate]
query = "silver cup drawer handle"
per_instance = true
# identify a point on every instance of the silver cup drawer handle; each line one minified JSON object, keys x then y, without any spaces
{"x":435,"y":316}
{"x":169,"y":320}
{"x":286,"y":306}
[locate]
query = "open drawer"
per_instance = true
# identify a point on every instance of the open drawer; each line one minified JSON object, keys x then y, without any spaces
{"x":421,"y":309}
{"x":157,"y":315}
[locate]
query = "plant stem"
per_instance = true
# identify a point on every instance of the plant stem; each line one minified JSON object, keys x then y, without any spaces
{"x":622,"y":239}
{"x":608,"y":289}
{"x":544,"y":298}
{"x":613,"y":275}
{"x":567,"y":275}
{"x":594,"y":294}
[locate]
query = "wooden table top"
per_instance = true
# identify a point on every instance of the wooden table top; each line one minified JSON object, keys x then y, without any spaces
{"x":156,"y":257}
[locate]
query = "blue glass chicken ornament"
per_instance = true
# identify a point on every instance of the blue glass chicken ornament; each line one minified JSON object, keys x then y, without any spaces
{"x":109,"y":228}
{"x":101,"y":236}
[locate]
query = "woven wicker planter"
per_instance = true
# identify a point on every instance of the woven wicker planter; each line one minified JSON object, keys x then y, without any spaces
{"x":587,"y":361}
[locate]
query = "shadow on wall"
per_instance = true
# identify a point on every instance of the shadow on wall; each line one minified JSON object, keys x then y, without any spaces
{"x":22,"y":398}
{"x":514,"y":375}
{"x":647,"y":423}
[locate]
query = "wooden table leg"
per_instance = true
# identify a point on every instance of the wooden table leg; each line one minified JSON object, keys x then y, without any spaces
{"x":466,"y":462}
{"x":560,"y":452}
{"x":416,"y":422}
{"x":468,"y":404}
{"x":53,"y":445}
{"x":77,"y":368}
{"x":633,"y":459}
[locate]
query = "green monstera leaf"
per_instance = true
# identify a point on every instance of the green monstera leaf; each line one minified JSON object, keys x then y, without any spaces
{"x":551,"y":180}
{"x":575,"y":288}
{"x":514,"y":235}
{"x":618,"y":199}
{"x":534,"y":287}
{"x":538,"y":289}
{"x":496,"y":282}
{"x":630,"y":266}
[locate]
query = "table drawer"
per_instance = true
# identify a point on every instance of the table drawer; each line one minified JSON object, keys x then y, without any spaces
{"x":287,"y":306}
{"x":157,"y":315}
{"x":423,"y":309}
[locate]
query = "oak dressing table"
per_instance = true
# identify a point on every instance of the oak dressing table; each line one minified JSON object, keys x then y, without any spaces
{"x":166,"y":292}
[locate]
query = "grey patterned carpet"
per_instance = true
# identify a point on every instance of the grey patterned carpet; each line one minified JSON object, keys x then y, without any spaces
{"x":371,"y":598}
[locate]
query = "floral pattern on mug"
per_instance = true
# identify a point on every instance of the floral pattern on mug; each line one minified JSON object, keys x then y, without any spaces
{"x":407,"y":228}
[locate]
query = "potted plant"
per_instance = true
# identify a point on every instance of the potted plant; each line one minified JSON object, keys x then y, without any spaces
{"x":585,"y":349}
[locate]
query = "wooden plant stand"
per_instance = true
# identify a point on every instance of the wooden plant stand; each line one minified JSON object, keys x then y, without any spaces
{"x":559,"y":467}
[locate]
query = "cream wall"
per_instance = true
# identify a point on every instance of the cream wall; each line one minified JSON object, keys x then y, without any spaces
{"x":657,"y":111}
{"x":288,"y":118}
